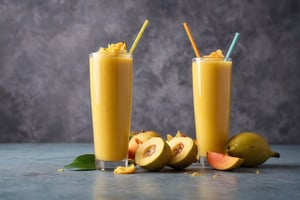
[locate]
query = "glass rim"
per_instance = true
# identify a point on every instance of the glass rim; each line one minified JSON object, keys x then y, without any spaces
{"x":197,"y":59}
{"x":117,"y":54}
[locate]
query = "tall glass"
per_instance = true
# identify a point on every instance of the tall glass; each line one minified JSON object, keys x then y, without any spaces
{"x":212,"y":99}
{"x":111,"y":97}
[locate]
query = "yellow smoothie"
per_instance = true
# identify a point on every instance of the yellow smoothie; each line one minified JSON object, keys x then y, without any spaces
{"x":212,"y":99}
{"x":111,"y":94}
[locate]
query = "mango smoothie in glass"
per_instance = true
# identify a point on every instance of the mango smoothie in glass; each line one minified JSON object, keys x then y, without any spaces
{"x":111,"y":96}
{"x":212,"y":98}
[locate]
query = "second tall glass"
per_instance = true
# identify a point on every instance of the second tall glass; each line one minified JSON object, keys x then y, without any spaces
{"x":212,"y":100}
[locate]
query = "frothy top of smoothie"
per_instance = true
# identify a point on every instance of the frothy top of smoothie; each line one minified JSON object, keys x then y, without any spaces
{"x":215,"y":54}
{"x":114,"y":48}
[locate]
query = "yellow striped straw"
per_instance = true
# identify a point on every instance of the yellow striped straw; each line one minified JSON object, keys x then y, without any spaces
{"x":189,"y":34}
{"x":138,"y":37}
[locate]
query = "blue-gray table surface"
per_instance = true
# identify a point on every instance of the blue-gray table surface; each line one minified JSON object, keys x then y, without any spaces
{"x":29,"y":171}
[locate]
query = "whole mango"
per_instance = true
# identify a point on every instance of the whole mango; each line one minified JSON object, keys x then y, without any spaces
{"x":250,"y":146}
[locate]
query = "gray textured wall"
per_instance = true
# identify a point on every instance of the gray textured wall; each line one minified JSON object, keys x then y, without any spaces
{"x":44,"y":77}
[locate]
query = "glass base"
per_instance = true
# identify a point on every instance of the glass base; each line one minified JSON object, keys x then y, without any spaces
{"x":110,"y":165}
{"x":203,"y":162}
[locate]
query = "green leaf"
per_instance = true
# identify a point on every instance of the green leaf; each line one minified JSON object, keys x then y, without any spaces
{"x":82,"y":163}
{"x":131,"y":134}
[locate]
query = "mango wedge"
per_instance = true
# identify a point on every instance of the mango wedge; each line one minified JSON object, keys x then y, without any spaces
{"x":223,"y":162}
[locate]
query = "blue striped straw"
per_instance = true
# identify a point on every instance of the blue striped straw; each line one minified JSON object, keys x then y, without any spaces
{"x":235,"y":39}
